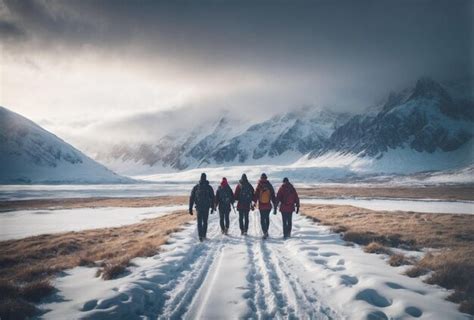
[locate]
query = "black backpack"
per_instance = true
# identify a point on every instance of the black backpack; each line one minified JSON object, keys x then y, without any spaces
{"x":246,"y":194}
{"x":225,"y":195}
{"x":203,"y":200}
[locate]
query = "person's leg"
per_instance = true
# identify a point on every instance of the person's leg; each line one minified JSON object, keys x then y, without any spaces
{"x":246,"y":220}
{"x":221,"y":219}
{"x":226,"y":219}
{"x":290,"y":217}
{"x":268,"y":220}
{"x":204,"y":223}
{"x":199,"y":223}
{"x":241,"y":220}
{"x":264,"y":220}
{"x":285,"y":222}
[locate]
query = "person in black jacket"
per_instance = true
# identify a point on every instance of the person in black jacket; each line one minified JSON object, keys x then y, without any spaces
{"x":202,"y":196}
{"x":244,"y":193}
{"x":224,"y":199}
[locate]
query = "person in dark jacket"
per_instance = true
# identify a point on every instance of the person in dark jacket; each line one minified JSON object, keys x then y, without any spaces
{"x":202,"y":196}
{"x":224,"y":199}
{"x":265,"y":197}
{"x":244,"y":193}
{"x":288,"y":199}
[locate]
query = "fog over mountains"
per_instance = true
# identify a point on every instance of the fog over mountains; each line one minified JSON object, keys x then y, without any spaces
{"x":428,"y":122}
{"x":425,"y":128}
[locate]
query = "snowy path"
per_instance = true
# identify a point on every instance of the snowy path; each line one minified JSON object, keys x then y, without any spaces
{"x":314,"y":275}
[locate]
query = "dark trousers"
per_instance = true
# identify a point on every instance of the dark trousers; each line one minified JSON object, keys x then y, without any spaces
{"x":286,"y":217}
{"x":202,"y":217}
{"x":265,"y":220}
{"x":244,"y":220}
{"x":224,"y":218}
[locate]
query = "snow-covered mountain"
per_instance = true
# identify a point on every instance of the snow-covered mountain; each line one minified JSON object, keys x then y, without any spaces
{"x":282,"y":139}
{"x":425,"y":128}
{"x":30,"y":154}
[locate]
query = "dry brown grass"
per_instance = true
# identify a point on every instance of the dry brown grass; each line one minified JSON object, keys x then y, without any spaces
{"x":375,"y":247}
{"x":70,"y":203}
{"x":397,"y":260}
{"x":27,"y":264}
{"x":455,"y":192}
{"x":453,"y":234}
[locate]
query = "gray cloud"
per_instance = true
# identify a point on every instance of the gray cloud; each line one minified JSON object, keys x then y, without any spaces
{"x":258,"y":55}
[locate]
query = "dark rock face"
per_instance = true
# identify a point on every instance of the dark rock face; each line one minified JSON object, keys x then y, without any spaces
{"x":426,"y":121}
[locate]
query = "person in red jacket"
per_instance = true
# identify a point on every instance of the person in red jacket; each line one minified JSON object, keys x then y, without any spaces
{"x":265,"y":197}
{"x":288,"y":199}
{"x":244,"y":195}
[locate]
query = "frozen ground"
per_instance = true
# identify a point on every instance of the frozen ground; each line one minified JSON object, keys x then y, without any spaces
{"x":314,"y":275}
{"x":429,"y":206}
{"x":25,"y":223}
{"x":24,"y":192}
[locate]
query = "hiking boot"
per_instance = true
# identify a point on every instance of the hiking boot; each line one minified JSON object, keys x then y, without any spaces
{"x":242,"y":232}
{"x":226,"y":232}
{"x":200,"y":239}
{"x":223,"y":231}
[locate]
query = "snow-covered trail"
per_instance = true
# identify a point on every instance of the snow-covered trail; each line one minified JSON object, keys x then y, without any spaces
{"x":314,"y":275}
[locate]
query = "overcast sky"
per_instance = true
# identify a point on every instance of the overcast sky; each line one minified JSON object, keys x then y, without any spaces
{"x":78,"y":65}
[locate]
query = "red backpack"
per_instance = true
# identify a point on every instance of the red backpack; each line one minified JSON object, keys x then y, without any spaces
{"x":289,"y":198}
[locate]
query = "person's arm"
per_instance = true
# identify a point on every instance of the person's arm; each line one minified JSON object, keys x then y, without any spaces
{"x":256,"y":194}
{"x":297,"y":202}
{"x":279,"y":195}
{"x":232,"y":197}
{"x":216,"y":199}
{"x":237,"y":192}
{"x":273,"y":196}
{"x":211,"y":194}
{"x":191,"y":200}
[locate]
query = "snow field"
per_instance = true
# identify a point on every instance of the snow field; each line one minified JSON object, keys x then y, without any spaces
{"x":314,"y":275}
{"x":26,"y":223}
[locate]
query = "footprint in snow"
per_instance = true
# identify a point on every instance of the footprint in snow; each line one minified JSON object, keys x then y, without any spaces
{"x":414,"y":311}
{"x":397,"y":286}
{"x":349,"y":280}
{"x":372,"y":297}
{"x":89,"y":305}
{"x":376,"y":315}
{"x":328,"y":254}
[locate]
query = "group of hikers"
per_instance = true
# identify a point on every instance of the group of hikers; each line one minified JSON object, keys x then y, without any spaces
{"x":204,"y":200}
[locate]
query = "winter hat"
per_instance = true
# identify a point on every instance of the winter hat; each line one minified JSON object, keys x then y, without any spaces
{"x":285,"y":180}
{"x":244,"y":177}
{"x":224,"y":181}
{"x":203,"y":177}
{"x":263,"y":176}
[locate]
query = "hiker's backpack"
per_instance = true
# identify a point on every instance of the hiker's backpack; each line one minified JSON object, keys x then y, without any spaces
{"x":225,"y":195}
{"x":246,"y":193}
{"x":265,"y":194}
{"x":289,"y":198}
{"x":202,"y":196}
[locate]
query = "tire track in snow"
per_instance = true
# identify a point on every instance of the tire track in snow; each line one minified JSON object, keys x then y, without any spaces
{"x":225,"y":240}
{"x":308,"y":305}
{"x":182,"y":289}
{"x":255,"y":295}
{"x":279,"y":304}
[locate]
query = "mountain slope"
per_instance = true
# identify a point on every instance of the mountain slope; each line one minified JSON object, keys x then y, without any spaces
{"x":423,"y":123}
{"x":426,"y":127}
{"x":30,"y":154}
{"x":282,"y":139}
